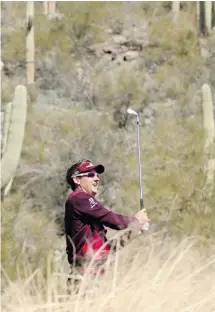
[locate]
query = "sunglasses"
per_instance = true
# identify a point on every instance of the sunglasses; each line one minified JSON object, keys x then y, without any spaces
{"x":86,"y":174}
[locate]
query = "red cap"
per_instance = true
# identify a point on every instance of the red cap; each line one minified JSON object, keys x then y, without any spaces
{"x":87,"y":166}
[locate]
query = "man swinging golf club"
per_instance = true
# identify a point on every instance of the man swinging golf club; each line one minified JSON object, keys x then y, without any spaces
{"x":86,"y":217}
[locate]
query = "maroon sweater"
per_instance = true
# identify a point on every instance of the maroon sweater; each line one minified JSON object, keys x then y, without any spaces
{"x":85,"y":218}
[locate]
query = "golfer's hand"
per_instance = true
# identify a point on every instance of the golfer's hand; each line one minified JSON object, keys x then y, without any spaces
{"x":142,"y":217}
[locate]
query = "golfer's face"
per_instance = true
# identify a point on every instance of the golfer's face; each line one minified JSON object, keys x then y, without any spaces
{"x":90,"y":183}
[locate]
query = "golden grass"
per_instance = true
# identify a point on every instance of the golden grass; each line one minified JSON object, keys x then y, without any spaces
{"x":152,"y":273}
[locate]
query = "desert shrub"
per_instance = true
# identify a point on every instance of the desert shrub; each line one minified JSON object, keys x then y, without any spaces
{"x":120,"y":17}
{"x":7,"y":91}
{"x":158,"y":9}
{"x":180,"y":38}
{"x":51,"y":34}
{"x":27,"y":235}
{"x":65,"y":82}
{"x":83,"y":20}
{"x":117,"y":91}
{"x":13,"y":31}
{"x":14,"y":46}
{"x":176,"y":161}
{"x":181,"y":85}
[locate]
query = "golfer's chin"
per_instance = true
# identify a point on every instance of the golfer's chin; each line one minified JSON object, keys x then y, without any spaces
{"x":94,"y":191}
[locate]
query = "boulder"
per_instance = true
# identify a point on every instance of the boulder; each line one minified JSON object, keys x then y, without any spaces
{"x":130,"y":55}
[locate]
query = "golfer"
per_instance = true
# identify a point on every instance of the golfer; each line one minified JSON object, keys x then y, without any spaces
{"x":86,"y":218}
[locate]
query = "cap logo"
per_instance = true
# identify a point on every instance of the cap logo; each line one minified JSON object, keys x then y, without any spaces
{"x":90,"y":165}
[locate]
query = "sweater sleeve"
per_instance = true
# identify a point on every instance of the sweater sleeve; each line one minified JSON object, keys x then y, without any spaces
{"x":84,"y":204}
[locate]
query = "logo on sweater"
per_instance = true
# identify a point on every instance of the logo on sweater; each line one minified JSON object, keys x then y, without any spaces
{"x":92,"y":202}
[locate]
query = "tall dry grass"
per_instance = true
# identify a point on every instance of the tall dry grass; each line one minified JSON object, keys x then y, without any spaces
{"x":152,"y":273}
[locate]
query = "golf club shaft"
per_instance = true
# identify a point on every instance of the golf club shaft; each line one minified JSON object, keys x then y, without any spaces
{"x":139,"y":164}
{"x":146,"y":225}
{"x":132,"y":112}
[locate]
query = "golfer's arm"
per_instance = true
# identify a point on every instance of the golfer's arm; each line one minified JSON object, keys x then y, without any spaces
{"x":112,"y":220}
{"x":107,"y":217}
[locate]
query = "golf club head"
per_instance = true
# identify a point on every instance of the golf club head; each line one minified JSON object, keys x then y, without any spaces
{"x":145,"y":227}
{"x":131,"y":112}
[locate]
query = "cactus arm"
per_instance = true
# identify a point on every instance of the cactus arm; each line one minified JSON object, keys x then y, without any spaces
{"x":7,"y":115}
{"x":10,"y":159}
{"x":8,"y":187}
{"x":213,"y":13}
{"x":205,"y":18}
{"x":30,"y":46}
{"x":201,"y":17}
{"x":7,"y":119}
{"x":208,"y":16}
{"x":2,"y":130}
{"x":208,"y":123}
{"x":208,"y":116}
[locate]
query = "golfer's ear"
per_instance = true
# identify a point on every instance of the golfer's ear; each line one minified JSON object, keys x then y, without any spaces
{"x":76,"y":180}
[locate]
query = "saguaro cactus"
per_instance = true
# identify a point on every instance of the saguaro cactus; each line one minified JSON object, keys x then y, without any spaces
{"x":204,"y":11}
{"x":198,"y":19}
{"x":49,"y":8}
{"x":213,"y":13}
{"x":52,"y":7}
{"x":208,"y":123}
{"x":45,"y":7}
{"x":208,"y":16}
{"x":11,"y":156}
{"x":30,"y":46}
{"x":175,"y":9}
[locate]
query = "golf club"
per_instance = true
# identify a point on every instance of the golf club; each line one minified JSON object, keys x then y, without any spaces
{"x":132,"y":112}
